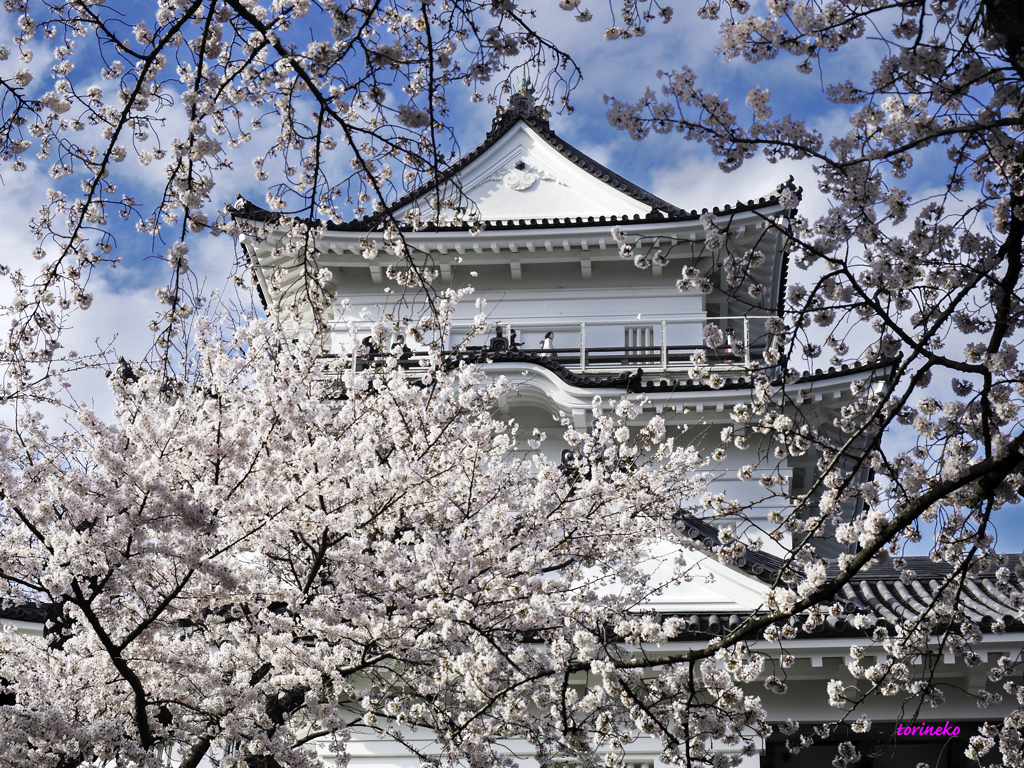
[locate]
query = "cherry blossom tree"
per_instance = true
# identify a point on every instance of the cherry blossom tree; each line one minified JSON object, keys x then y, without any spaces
{"x":916,"y":267}
{"x":379,"y":554}
{"x":269,"y":551}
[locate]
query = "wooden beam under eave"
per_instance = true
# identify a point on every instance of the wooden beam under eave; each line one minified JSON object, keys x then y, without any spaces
{"x":517,"y":271}
{"x":375,"y":274}
{"x":585,"y":268}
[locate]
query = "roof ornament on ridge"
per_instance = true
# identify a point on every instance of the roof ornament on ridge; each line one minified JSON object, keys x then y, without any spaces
{"x":522,"y":105}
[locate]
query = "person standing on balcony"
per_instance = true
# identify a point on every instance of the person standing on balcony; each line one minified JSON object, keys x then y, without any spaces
{"x":399,"y":350}
{"x":512,"y":343}
{"x":548,"y":345}
{"x":368,"y":349}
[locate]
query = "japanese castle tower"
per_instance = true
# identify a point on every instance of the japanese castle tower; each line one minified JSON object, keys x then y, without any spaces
{"x":547,"y":262}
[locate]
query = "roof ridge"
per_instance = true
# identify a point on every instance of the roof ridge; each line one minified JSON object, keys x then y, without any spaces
{"x":764,"y":566}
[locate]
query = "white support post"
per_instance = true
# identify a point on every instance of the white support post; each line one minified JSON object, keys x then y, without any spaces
{"x":664,"y":344}
{"x":583,"y":347}
{"x":746,"y":340}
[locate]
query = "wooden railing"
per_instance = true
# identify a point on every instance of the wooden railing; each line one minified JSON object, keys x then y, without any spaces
{"x":602,"y":346}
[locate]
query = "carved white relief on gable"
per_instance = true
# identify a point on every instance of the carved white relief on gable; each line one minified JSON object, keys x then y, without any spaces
{"x":520,"y":177}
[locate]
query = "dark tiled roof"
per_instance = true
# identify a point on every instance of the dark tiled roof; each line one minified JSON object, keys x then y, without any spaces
{"x":878,"y":592}
{"x":630,"y":381}
{"x":881,"y":591}
{"x":780,"y":299}
{"x":520,"y":111}
{"x":247,"y":210}
{"x":32,"y":612}
{"x":761,"y":565}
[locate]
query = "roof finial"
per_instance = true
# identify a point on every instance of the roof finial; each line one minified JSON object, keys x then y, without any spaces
{"x":522,"y":103}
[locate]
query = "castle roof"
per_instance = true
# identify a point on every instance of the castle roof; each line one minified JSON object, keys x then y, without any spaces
{"x":525,"y":176}
{"x":881,"y":593}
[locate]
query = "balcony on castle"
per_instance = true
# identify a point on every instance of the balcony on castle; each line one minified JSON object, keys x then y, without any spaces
{"x":592,"y":347}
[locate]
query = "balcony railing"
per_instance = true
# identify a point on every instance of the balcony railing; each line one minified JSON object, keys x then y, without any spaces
{"x":612,"y":346}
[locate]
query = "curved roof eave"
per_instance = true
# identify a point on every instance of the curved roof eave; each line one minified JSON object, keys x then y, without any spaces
{"x":633,"y":381}
{"x":246,"y":209}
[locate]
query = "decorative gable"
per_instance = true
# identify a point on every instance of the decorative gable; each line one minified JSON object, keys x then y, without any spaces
{"x":711,"y":588}
{"x":521,"y":176}
{"x":524,"y":171}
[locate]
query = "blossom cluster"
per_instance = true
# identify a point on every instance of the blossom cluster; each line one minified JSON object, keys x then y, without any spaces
{"x":277,"y":532}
